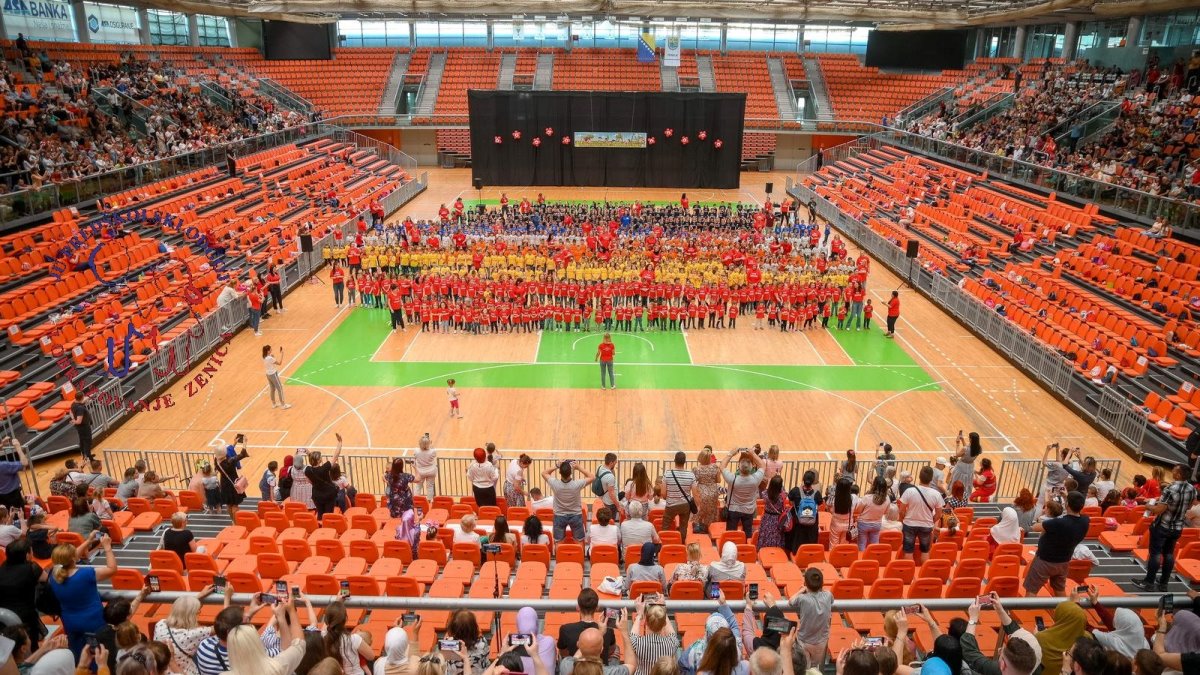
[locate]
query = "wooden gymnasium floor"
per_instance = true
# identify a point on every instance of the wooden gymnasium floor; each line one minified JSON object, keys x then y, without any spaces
{"x":814,"y":394}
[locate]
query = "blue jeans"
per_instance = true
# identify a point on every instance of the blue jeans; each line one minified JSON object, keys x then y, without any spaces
{"x":607,"y":367}
{"x":575,"y":522}
{"x":1162,"y":542}
{"x":868,"y":533}
{"x":255,"y":315}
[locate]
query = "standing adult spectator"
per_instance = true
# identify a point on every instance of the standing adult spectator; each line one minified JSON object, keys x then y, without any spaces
{"x":814,"y":607}
{"x":605,"y":354}
{"x":273,"y":285}
{"x":919,"y":507}
{"x":75,"y":587}
{"x":606,"y":476}
{"x":772,"y":466}
{"x":425,"y":461}
{"x":233,"y":490}
{"x":568,"y":505}
{"x":10,"y":475}
{"x":1169,"y":520}
{"x":81,"y":418}
{"x":770,"y":528}
{"x":1085,"y":476}
{"x":179,"y":539}
{"x":1055,"y":547}
{"x":324,"y":490}
{"x":19,"y":579}
{"x":893,"y":314}
{"x":964,"y":467}
{"x":805,"y":501}
{"x":707,"y":490}
{"x":678,"y":483}
{"x":842,"y":506}
{"x":742,"y":502}
{"x":483,"y":476}
{"x":870,"y":511}
{"x":515,"y":480}
{"x":301,"y":490}
{"x":398,"y":489}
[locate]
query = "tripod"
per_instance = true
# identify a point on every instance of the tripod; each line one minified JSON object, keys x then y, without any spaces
{"x":495,"y":553}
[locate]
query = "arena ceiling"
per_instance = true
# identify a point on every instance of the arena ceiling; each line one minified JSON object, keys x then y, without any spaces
{"x":886,"y":14}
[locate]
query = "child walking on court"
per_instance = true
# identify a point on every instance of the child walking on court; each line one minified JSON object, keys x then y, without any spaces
{"x":452,"y":393}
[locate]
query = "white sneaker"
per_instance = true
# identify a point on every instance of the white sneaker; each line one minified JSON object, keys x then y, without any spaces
{"x":274,"y":404}
{"x":286,"y":406}
{"x":258,"y":333}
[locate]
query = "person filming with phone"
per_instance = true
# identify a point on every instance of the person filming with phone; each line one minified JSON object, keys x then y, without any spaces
{"x":653,"y":635}
{"x":1021,"y":654}
{"x":1169,"y":513}
{"x":76,"y":587}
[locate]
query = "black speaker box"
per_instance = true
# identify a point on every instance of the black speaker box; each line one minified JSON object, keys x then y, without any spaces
{"x":306,"y":243}
{"x":914,"y":247}
{"x":478,"y":183}
{"x":770,"y":188}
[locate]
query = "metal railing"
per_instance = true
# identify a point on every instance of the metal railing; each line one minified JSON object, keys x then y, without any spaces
{"x":1055,"y":372}
{"x":1018,"y":474}
{"x":991,"y":107}
{"x":919,"y":109}
{"x":1095,"y":119}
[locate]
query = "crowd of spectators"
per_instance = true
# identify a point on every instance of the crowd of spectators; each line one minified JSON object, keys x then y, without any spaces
{"x":63,"y":122}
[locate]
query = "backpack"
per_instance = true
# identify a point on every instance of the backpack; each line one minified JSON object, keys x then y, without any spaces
{"x":598,"y":482}
{"x":263,"y":485}
{"x":807,"y":510}
{"x":789,"y":521}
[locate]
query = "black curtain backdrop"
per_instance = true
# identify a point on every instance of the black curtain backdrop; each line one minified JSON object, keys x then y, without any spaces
{"x":667,"y":163}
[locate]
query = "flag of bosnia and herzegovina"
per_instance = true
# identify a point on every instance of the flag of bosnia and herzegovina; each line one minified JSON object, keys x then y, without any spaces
{"x":645,"y":52}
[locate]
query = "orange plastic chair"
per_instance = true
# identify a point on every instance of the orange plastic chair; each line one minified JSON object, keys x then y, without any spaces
{"x":925,"y":588}
{"x":867,"y":570}
{"x":847,"y":589}
{"x":639,"y":588}
{"x":686,"y":590}
{"x":436,"y":551}
{"x":972,"y":567}
{"x":607,"y":553}
{"x":333,"y":549}
{"x":536,"y":553}
{"x":569,"y":553}
{"x":843,"y":555}
{"x":904,"y":570}
{"x":880,"y":553}
{"x":336,"y":521}
{"x":885,"y":588}
{"x":1005,"y":587}
{"x":935,"y":569}
{"x":468,"y":553}
{"x":296,"y":550}
{"x":964,"y":587}
{"x":808,"y":555}
{"x":166,"y":560}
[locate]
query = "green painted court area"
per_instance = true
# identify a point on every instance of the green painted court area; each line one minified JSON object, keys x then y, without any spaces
{"x":649,"y":360}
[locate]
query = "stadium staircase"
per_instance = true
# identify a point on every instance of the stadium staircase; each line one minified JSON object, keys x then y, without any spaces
{"x":704,"y":71}
{"x":433,"y":82}
{"x":816,"y":85}
{"x":670,"y":77}
{"x":543,"y":77}
{"x":508,"y":68}
{"x":785,"y":98}
{"x":391,"y":91}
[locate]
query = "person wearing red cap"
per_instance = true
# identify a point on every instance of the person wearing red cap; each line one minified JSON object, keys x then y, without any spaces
{"x":483,"y":476}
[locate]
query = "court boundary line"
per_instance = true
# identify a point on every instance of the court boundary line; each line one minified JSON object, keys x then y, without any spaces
{"x":601,"y":336}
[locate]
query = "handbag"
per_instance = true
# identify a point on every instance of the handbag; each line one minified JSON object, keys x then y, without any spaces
{"x":239,"y":484}
{"x":852,"y":530}
{"x":691,"y":504}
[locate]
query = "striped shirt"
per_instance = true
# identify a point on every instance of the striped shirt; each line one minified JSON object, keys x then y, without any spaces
{"x":1178,"y":498}
{"x":650,"y":647}
{"x":679,"y":485}
{"x":212,"y":658}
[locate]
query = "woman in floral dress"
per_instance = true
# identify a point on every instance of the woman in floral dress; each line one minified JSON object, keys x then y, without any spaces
{"x":399,"y":490}
{"x":770,"y":531}
{"x":708,"y":486}
{"x":301,"y":486}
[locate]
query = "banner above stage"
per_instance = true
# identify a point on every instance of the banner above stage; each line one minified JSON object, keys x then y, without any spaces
{"x":610,"y":139}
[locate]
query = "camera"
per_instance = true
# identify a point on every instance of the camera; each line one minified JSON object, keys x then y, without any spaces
{"x":153,"y":584}
{"x":218,"y":584}
{"x":268,"y":599}
{"x":491,"y":549}
{"x":520,"y":640}
{"x":450,"y":645}
{"x":873,"y":642}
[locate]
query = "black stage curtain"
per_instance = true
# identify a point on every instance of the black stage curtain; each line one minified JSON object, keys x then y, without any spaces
{"x":667,"y":163}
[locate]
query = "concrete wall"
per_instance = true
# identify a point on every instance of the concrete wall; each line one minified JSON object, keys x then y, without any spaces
{"x":421,"y":145}
{"x":791,"y":149}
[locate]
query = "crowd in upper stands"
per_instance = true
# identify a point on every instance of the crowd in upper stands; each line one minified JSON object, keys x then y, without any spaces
{"x":280,"y":632}
{"x":1151,"y":147}
{"x":62,"y":122}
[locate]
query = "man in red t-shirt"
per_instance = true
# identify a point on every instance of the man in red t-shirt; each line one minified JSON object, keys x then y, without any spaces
{"x":893,"y":313}
{"x":604,"y":354}
{"x":395,"y":299}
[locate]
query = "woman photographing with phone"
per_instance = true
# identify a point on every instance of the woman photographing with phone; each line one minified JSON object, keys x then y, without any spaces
{"x":272,"y":364}
{"x":76,"y":588}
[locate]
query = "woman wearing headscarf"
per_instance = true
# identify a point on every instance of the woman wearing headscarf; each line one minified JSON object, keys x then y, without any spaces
{"x":1184,"y":635}
{"x":483,"y":476}
{"x":728,"y":568}
{"x":398,"y":489}
{"x":647,"y":567}
{"x":546,"y":646}
{"x":1070,"y":623}
{"x":1126,"y":634}
{"x":284,"y":485}
{"x":1007,"y":531}
{"x":409,"y":530}
{"x":400,"y":654}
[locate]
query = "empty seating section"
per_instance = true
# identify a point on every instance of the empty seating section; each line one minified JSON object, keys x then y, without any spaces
{"x":457,"y":141}
{"x":604,"y":70}
{"x":466,"y":68}
{"x":755,"y":146}
{"x":860,"y":93}
{"x":351,"y":82}
{"x":747,"y":71}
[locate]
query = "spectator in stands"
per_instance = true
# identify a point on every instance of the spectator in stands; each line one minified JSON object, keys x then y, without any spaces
{"x":1070,"y":624}
{"x":400,"y":653}
{"x":465,"y":533}
{"x":919,"y":507}
{"x":1085,"y":477}
{"x":183,"y":632}
{"x":95,"y":479}
{"x":249,"y":656}
{"x":10,"y":475}
{"x":1007,"y":531}
{"x":81,"y":418}
{"x":1169,"y":520}
{"x":862,"y":662}
{"x":869,"y":513}
{"x":568,"y":504}
{"x":19,"y":579}
{"x":639,"y":487}
{"x":483,"y":476}
{"x":76,"y":588}
{"x":605,"y":532}
{"x":346,"y":646}
{"x":591,"y":653}
{"x":678,"y":483}
{"x":659,"y":638}
{"x":83,"y":522}
{"x":515,"y":480}
{"x":324,"y":490}
{"x":728,"y":568}
{"x":543,"y":648}
{"x":647,"y":567}
{"x":1022,"y":654}
{"x":1026,"y":507}
{"x":637,"y":530}
{"x":804,"y":501}
{"x":945,"y":647}
{"x":693,"y":569}
{"x":957,"y":498}
{"x":10,"y":531}
{"x":965,"y":452}
{"x":1177,"y":641}
{"x":179,"y":539}
{"x":398,"y":489}
{"x":60,"y":486}
{"x":607,"y":478}
{"x":1104,"y":484}
{"x":813,"y":612}
{"x":770,"y":530}
{"x":569,"y":634}
{"x":151,"y":487}
{"x":742,"y":501}
{"x":848,"y":468}
{"x":1125,"y":634}
{"x":532,"y":533}
{"x":985,"y":482}
{"x":842,"y":506}
{"x":708,"y":484}
{"x":228,"y":465}
{"x":425,"y":461}
{"x":1059,"y":538}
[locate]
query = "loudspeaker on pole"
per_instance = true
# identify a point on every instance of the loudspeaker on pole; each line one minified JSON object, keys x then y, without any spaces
{"x":306,"y":243}
{"x":478,"y":183}
{"x":914,"y":247}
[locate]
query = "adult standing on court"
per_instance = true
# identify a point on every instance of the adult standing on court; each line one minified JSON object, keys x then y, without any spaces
{"x":678,"y":482}
{"x":483,"y":476}
{"x":1056,"y":546}
{"x":568,"y":504}
{"x":273,"y":280}
{"x":272,"y":364}
{"x":81,"y":417}
{"x":893,"y":314}
{"x":604,"y":354}
{"x":919,"y":506}
{"x":1169,"y":520}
